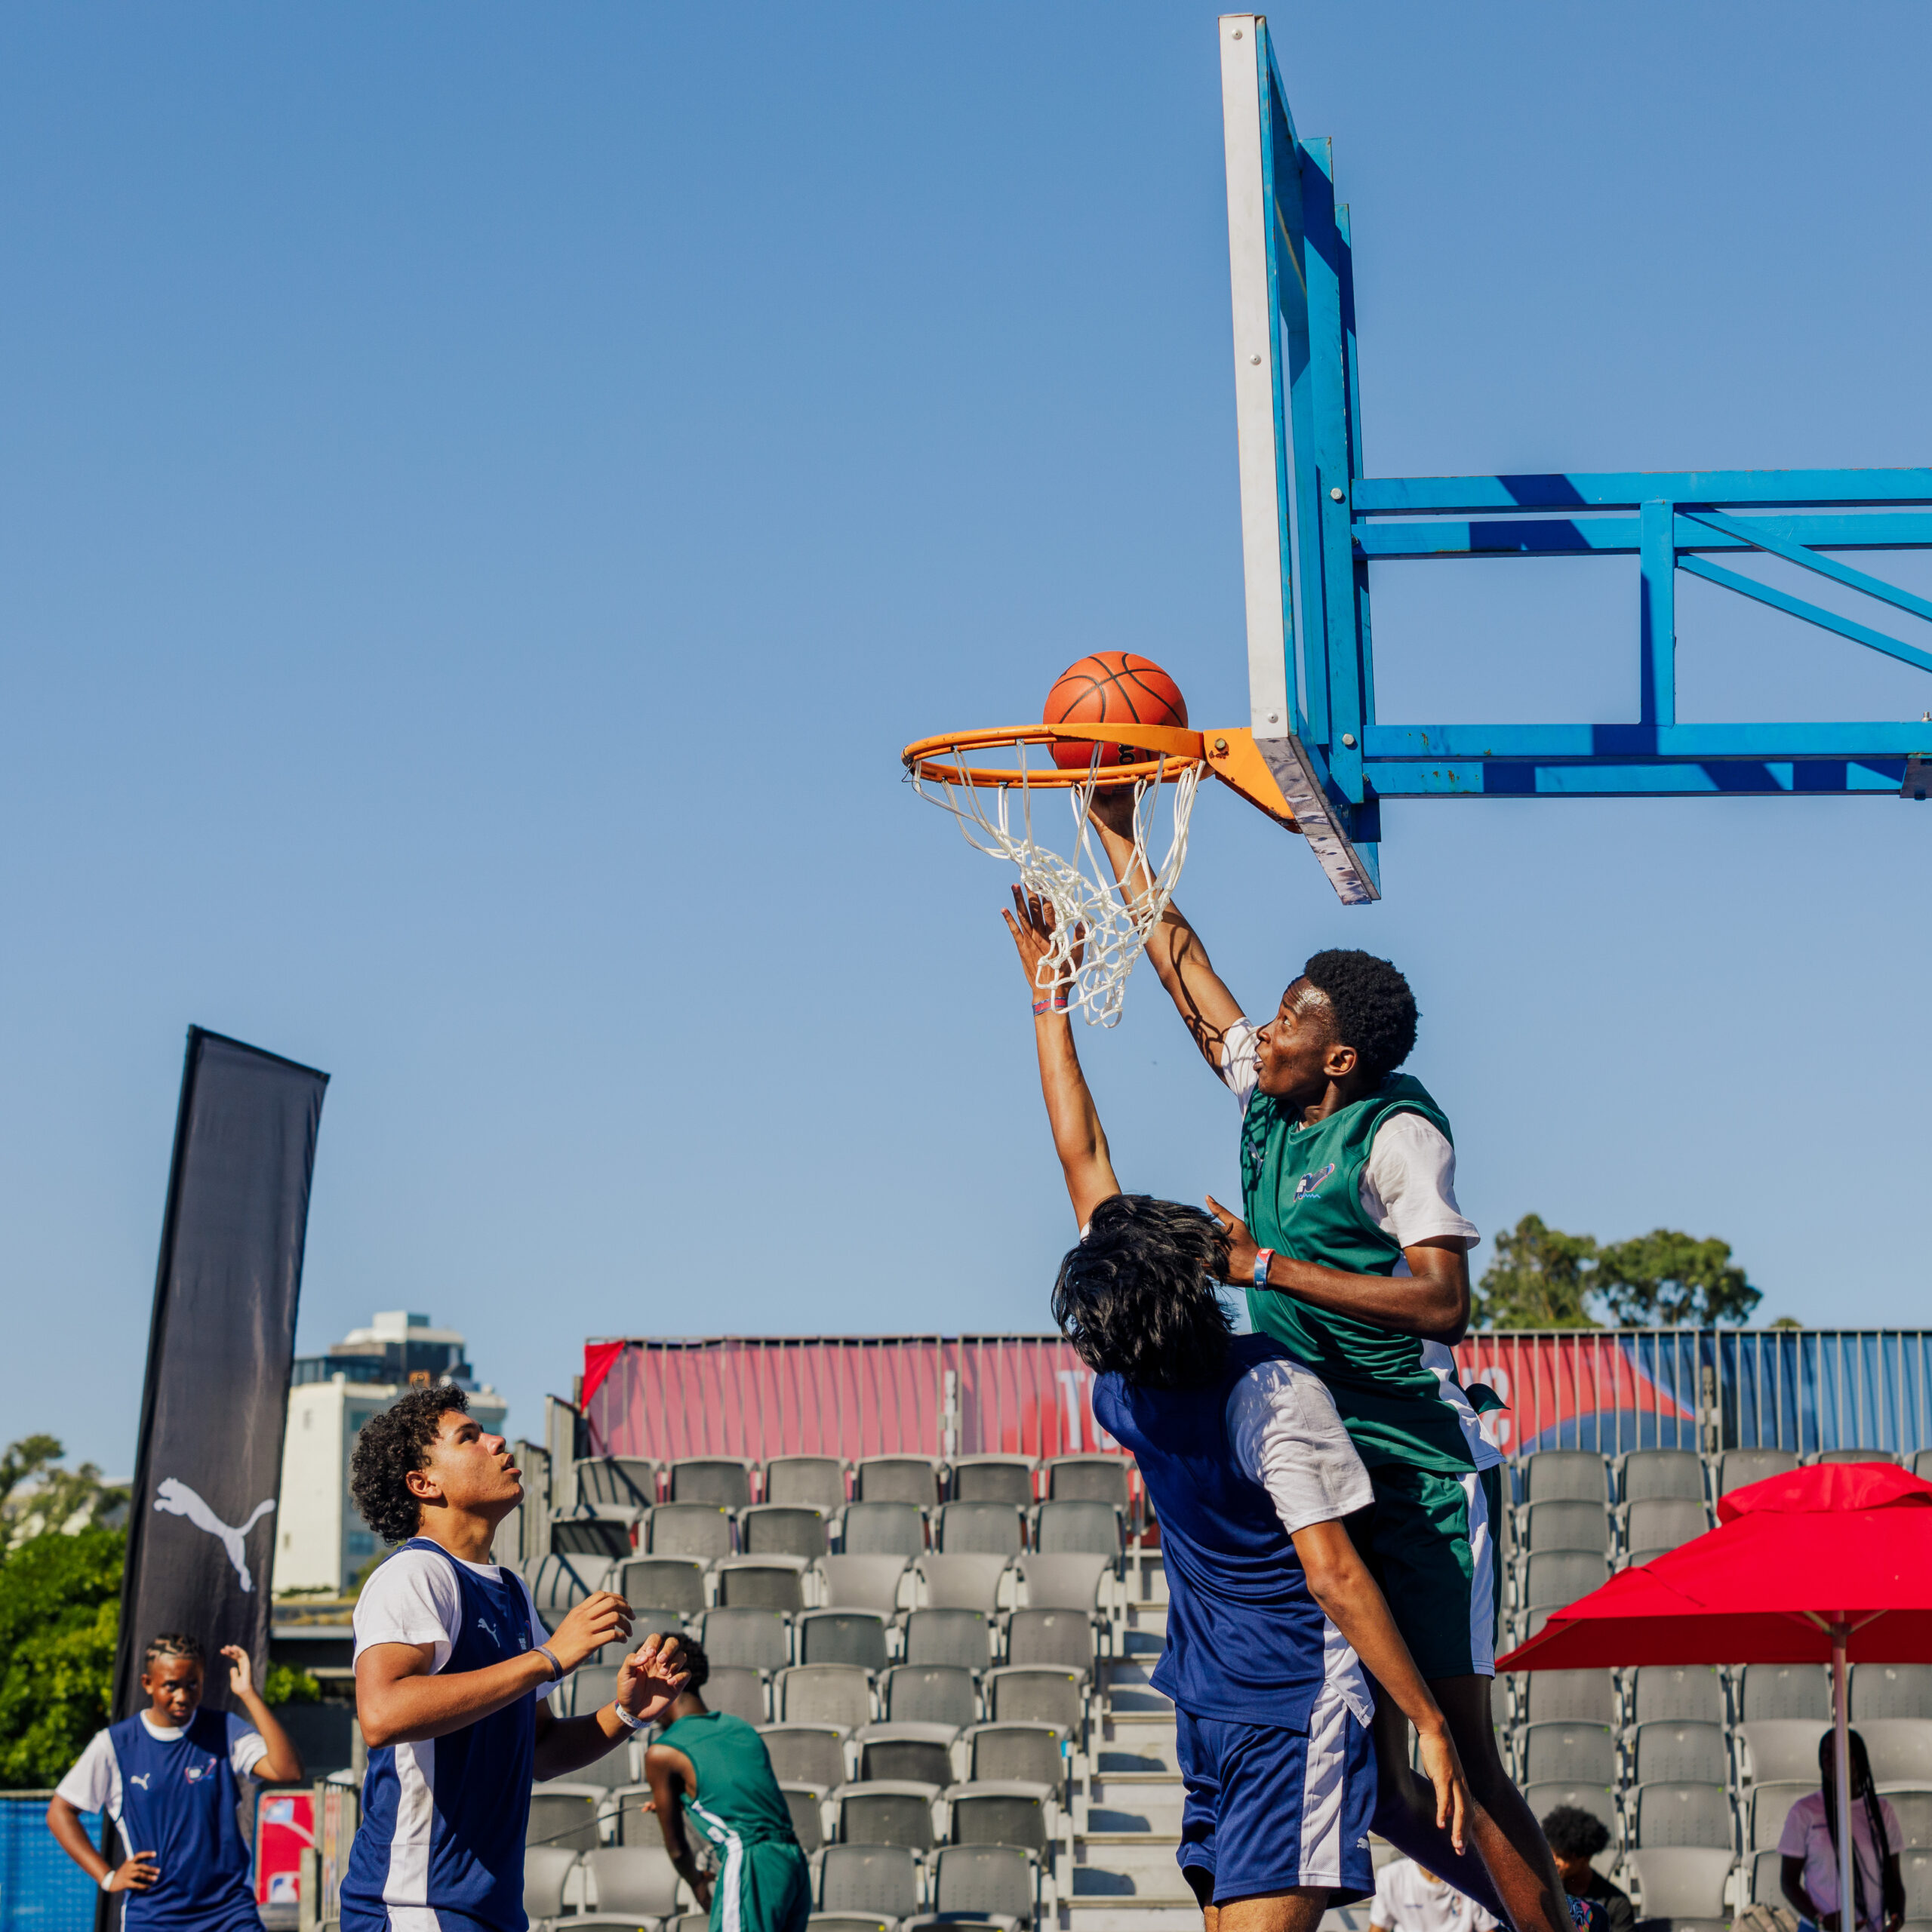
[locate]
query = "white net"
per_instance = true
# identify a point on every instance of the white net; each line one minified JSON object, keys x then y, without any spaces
{"x":1106,"y":924}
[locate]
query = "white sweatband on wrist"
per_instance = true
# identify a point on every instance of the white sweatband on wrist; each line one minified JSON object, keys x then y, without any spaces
{"x":625,"y":1718}
{"x":107,"y":1880}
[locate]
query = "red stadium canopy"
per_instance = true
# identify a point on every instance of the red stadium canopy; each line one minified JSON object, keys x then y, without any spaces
{"x":1827,"y":1564}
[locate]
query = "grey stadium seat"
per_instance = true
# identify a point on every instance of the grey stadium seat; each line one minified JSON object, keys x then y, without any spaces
{"x":631,"y":1480}
{"x":1890,"y":1691}
{"x":1915,"y":1868}
{"x":1775,"y":1748}
{"x":805,"y":1753}
{"x":1855,"y":1456}
{"x":868,"y":1878}
{"x":1769,"y":1804}
{"x":736,"y":1688}
{"x":929,"y":1693}
{"x":1681,"y":1754}
{"x":1738,"y":1467}
{"x":562,"y":1580}
{"x":863,"y":1582}
{"x":1572,"y":1696}
{"x":1001,"y":1812}
{"x":1765,"y":1878}
{"x":984,"y":1881}
{"x":1566,"y":1524}
{"x":1900,"y":1750}
{"x":1785,"y":1691}
{"x":754,"y":1638}
{"x":885,"y":1812}
{"x":689,"y":1921}
{"x":672,"y":1582}
{"x":1598,"y":1799}
{"x":1649,"y":1474}
{"x":1070,"y":1528}
{"x":907,"y":1753}
{"x":1683,"y":1883}
{"x":724,"y":1481}
{"x":1682,"y":1815}
{"x":1921,"y":1465}
{"x":1662,"y":1524}
{"x":994,"y":1479}
{"x":1025,"y":1694}
{"x":638,"y":1880}
{"x":842,"y":1636}
{"x":591,"y":1686}
{"x":1553,"y":1578}
{"x":1051,"y":1636}
{"x":1089,"y":1479}
{"x":754,"y":1583}
{"x":815,"y":1482}
{"x":913,"y":1479}
{"x":591,"y":1537}
{"x":806,"y":1803}
{"x":828,"y":1922}
{"x":963,"y":1582}
{"x":1583,"y":1753}
{"x":783,"y":1529}
{"x":1552,"y":1475}
{"x":545,"y":1868}
{"x":1030,"y":1753}
{"x":1680,"y":1693}
{"x":1067,"y":1580}
{"x":563,"y":1816}
{"x":949,"y":1636}
{"x":700,"y":1530}
{"x":989,"y":1529}
{"x":834,"y":1693}
{"x":1915,"y":1814}
{"x":883,"y":1529}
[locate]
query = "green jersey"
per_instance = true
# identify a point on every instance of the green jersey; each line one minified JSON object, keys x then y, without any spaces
{"x":736,"y":1793}
{"x":1302,"y":1185}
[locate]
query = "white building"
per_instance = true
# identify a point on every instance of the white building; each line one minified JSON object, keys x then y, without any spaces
{"x":320,"y":1542}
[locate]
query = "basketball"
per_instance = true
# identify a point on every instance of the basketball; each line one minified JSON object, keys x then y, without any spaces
{"x":1111,"y":686}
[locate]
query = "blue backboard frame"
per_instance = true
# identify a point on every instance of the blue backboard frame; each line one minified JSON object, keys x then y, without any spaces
{"x":1311,"y":523}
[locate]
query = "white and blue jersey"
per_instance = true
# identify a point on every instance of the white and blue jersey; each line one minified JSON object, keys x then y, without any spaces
{"x":440,"y":1845}
{"x":175,"y":1793}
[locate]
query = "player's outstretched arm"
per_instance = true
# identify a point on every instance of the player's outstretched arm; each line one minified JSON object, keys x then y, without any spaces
{"x":1339,"y":1582}
{"x":1174,"y":949}
{"x":1078,"y":1138}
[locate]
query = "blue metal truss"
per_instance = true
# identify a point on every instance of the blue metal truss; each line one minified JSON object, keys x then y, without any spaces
{"x":1307,"y":506}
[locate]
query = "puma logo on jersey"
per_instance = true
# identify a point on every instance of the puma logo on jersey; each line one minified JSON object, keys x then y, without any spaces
{"x":141,"y":1779}
{"x":489,"y":1630}
{"x":1311,"y":1183}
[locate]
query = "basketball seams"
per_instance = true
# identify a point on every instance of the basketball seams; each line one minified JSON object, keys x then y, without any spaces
{"x":1111,"y":687}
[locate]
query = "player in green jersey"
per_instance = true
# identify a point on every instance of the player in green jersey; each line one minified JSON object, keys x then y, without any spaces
{"x":1354,"y":1253}
{"x":714,"y":1769}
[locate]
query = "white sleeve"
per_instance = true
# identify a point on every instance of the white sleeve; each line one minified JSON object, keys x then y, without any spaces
{"x":1287,"y":1436}
{"x":247,"y":1747}
{"x":1408,"y":1183}
{"x":412,"y":1598}
{"x":1239,"y":1067}
{"x":92,"y":1784}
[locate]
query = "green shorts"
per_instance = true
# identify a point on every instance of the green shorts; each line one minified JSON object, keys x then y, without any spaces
{"x":764,"y":1886}
{"x":1430,"y":1541}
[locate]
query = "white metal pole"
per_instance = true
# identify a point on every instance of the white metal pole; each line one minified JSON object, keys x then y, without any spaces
{"x":1841,"y":1760}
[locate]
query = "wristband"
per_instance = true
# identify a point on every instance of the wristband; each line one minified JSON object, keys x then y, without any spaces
{"x":107,"y":1880}
{"x":1042,"y":1007}
{"x":625,"y":1718}
{"x":550,"y":1656}
{"x":1263,"y":1257}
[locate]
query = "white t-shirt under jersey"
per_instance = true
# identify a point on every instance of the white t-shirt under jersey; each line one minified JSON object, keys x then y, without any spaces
{"x":1409,"y":1900}
{"x":414,"y":1598}
{"x":95,"y":1782}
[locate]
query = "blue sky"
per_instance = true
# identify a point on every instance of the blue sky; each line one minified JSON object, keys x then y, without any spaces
{"x":485,"y":494}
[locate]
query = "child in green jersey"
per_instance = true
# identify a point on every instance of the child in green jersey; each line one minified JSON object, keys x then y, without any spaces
{"x":1354,"y":1253}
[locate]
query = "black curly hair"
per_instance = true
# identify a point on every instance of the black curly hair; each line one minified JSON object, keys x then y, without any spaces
{"x":1375,"y":1012}
{"x":174,"y":1644}
{"x":1573,"y":1832}
{"x":1137,"y":1297}
{"x":691,"y":1658}
{"x":391,"y":1445}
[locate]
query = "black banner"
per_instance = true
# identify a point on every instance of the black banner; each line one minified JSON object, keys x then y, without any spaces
{"x":200,"y":1522}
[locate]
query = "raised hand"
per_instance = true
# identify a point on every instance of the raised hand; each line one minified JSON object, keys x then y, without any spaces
{"x":650,"y":1678}
{"x":240,"y":1670}
{"x":603,"y":1618}
{"x":1032,"y":924}
{"x":1238,"y":1263}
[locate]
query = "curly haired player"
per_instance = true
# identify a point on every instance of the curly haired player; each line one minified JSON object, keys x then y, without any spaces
{"x":1355,"y":1255}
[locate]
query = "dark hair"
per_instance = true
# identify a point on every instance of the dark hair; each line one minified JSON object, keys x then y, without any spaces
{"x":390,"y":1445}
{"x":174,"y":1644}
{"x":691,"y":1658}
{"x":1375,"y":1012}
{"x":1137,"y":1297}
{"x":1861,"y":1789}
{"x":1573,"y":1833}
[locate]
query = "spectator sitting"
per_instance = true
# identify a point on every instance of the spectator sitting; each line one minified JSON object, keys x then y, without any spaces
{"x":1810,"y":1848}
{"x":1407,"y":1899}
{"x":1576,"y":1838}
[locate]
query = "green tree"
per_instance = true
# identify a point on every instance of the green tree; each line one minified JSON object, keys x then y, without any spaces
{"x":1539,"y":1278}
{"x":1665,"y":1279}
{"x":59,"y":1608}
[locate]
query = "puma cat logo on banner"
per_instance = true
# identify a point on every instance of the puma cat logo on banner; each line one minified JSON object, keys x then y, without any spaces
{"x":174,"y":1497}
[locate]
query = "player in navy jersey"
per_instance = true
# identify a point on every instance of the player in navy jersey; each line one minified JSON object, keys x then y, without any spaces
{"x":171,"y":1777}
{"x":452,"y":1669}
{"x":1271,"y":1614}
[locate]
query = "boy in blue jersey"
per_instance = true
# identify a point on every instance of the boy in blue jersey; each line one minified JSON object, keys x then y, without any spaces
{"x":452,"y":1669}
{"x":1271,"y":1613}
{"x":172,"y":1778}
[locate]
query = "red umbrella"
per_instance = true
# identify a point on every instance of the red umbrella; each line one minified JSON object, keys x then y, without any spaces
{"x":1831,"y":1564}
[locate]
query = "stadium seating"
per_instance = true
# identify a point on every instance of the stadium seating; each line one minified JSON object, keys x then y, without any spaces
{"x":905,"y":1753}
{"x":885,"y":1811}
{"x":823,"y":1693}
{"x":1029,"y":1753}
{"x":759,"y":1639}
{"x":1766,"y":1807}
{"x":883,"y":1529}
{"x":1001,"y":1812}
{"x":929,"y":1693}
{"x":675,"y":1583}
{"x":1652,"y":1476}
{"x":1921,"y":1465}
{"x":1076,"y":1526}
{"x":1565,"y":1523}
{"x":1552,"y":1578}
{"x":1657,"y":1525}
{"x":628,"y":1480}
{"x":806,"y":1753}
{"x":547,"y":1868}
{"x":963,"y":1637}
{"x":634,"y":1881}
{"x":963,"y":1581}
{"x":806,"y":1803}
{"x":563,"y":1817}
{"x":812,"y":1482}
{"x":1901,"y":1750}
{"x":1738,"y":1467}
{"x":759,"y":1582}
{"x":1567,"y":1696}
{"x":589,"y":1536}
{"x":724,"y":1482}
{"x":993,"y":1479}
{"x":1586,"y":1752}
{"x":1565,"y":1475}
{"x":563,"y":1580}
{"x":1051,"y":1637}
{"x":1673,"y":1753}
{"x":739,"y":1689}
{"x":1683,"y":1884}
{"x":1090,"y":1479}
{"x":1764,"y":1877}
{"x":1673,"y":1816}
{"x":1785,"y":1691}
{"x":913,"y":1479}
{"x":863,"y":1582}
{"x":862,"y":1880}
{"x":1890,"y":1691}
{"x":998,"y":1885}
{"x":1678,"y":1694}
{"x":1067,"y":1580}
{"x":784,"y":1529}
{"x":979,"y":1529}
{"x":590,"y":1687}
{"x":1032,"y":1694}
{"x":1852,"y":1455}
{"x":842,"y":1636}
{"x":701,"y":1530}
{"x":1775,"y":1748}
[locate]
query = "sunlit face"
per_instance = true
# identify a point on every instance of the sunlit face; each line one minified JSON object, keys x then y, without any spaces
{"x":1296,"y":1054}
{"x":173,"y":1688}
{"x":465,"y":1469}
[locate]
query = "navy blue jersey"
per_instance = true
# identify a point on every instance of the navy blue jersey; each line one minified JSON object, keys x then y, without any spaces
{"x":1245,"y":1639}
{"x":178,"y":1800}
{"x":443,"y":1821}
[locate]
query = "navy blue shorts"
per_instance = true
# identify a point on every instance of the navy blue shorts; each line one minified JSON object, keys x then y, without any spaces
{"x":1267,"y":1810}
